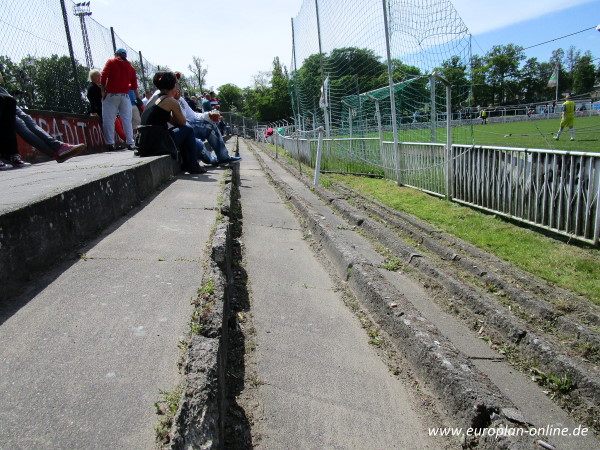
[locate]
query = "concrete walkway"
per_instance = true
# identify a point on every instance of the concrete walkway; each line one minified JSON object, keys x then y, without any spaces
{"x":323,"y":385}
{"x":85,"y":352}
{"x":530,"y":400}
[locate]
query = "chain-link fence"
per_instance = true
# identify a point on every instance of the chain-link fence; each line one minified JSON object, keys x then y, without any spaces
{"x":47,"y":48}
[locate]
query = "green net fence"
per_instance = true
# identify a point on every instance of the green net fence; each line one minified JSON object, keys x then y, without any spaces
{"x":342,"y":78}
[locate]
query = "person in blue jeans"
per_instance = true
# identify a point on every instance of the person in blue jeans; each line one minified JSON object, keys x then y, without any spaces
{"x":163,"y":108}
{"x":13,"y":121}
{"x":205,"y":129}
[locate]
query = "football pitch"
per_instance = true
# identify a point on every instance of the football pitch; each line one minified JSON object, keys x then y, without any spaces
{"x":534,"y":134}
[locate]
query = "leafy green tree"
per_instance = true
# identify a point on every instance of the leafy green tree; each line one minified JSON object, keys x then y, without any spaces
{"x":503,"y":74}
{"x":361,"y":63}
{"x":564,"y":76}
{"x":584,"y":75}
{"x":280,"y":92}
{"x":269,"y":99}
{"x":532,"y":83}
{"x":231,"y":98}
{"x":572,"y":56}
{"x":401,"y":71}
{"x":455,"y":72}
{"x":199,"y":71}
{"x":56,"y":87}
{"x":482,"y":94}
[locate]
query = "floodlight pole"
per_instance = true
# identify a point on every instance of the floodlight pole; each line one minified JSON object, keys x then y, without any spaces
{"x":392,"y":91}
{"x":69,"y":43}
{"x":82,"y":10}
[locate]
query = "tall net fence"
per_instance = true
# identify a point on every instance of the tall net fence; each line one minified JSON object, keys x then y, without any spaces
{"x":47,"y":50}
{"x":343,"y":80}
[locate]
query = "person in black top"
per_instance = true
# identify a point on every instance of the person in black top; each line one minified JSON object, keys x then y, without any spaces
{"x":163,"y":108}
{"x":189,"y":101}
{"x":94,"y":93}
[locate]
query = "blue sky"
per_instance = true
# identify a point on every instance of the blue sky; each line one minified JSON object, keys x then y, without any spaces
{"x":238,"y":38}
{"x":527,"y":28}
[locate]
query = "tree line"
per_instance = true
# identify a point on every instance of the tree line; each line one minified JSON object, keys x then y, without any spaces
{"x":503,"y":76}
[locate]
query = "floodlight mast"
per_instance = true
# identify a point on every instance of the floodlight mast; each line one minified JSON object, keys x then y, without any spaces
{"x":82,"y":10}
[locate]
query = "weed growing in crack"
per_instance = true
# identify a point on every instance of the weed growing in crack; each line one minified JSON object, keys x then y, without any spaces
{"x":166,"y":408}
{"x":207,"y":289}
{"x":392,"y":263}
{"x":556,"y":384}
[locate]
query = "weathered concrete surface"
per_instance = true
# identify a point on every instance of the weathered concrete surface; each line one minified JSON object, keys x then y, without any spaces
{"x":510,"y":386}
{"x":49,"y":209}
{"x":322,"y":385}
{"x":200,"y":419}
{"x":83,"y":358}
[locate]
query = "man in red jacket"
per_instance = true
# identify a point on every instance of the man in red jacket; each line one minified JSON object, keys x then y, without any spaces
{"x":118,"y":77}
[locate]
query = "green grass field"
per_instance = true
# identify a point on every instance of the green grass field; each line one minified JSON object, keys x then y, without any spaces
{"x":539,"y":134}
{"x":527,"y":134}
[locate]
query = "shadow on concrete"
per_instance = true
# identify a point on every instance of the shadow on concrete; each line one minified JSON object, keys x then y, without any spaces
{"x":38,"y":281}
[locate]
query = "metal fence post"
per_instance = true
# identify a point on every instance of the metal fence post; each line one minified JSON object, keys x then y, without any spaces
{"x":143,"y":73}
{"x":449,"y":158}
{"x":433,"y":115}
{"x":392,"y":92}
{"x":70,"y":45}
{"x":379,"y":126}
{"x":114,"y":42}
{"x":318,"y":161}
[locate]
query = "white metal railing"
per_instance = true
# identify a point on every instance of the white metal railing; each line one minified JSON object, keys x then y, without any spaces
{"x":551,"y":189}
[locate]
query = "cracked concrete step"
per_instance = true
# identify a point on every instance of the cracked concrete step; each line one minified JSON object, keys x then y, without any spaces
{"x":49,"y":209}
{"x":90,"y":343}
{"x":527,"y":396}
{"x":321,"y":384}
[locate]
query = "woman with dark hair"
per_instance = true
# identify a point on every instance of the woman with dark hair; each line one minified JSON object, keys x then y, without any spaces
{"x":163,"y":108}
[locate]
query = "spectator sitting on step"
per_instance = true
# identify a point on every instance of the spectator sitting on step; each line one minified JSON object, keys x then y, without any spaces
{"x":214,"y":103}
{"x":205,"y":129}
{"x":195,"y":100}
{"x":201,"y":152}
{"x":206,"y":102}
{"x":221,"y":125}
{"x":164,"y":108}
{"x":147,"y":96}
{"x":190,"y":101}
{"x":14,"y":121}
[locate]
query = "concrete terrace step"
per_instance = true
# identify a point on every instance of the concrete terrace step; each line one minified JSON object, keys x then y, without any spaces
{"x":92,"y":341}
{"x":49,"y":209}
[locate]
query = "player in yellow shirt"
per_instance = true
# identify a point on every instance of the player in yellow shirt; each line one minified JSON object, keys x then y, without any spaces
{"x":568,"y":118}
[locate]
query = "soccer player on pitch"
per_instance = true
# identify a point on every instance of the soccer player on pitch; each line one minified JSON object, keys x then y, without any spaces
{"x":568,"y":118}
